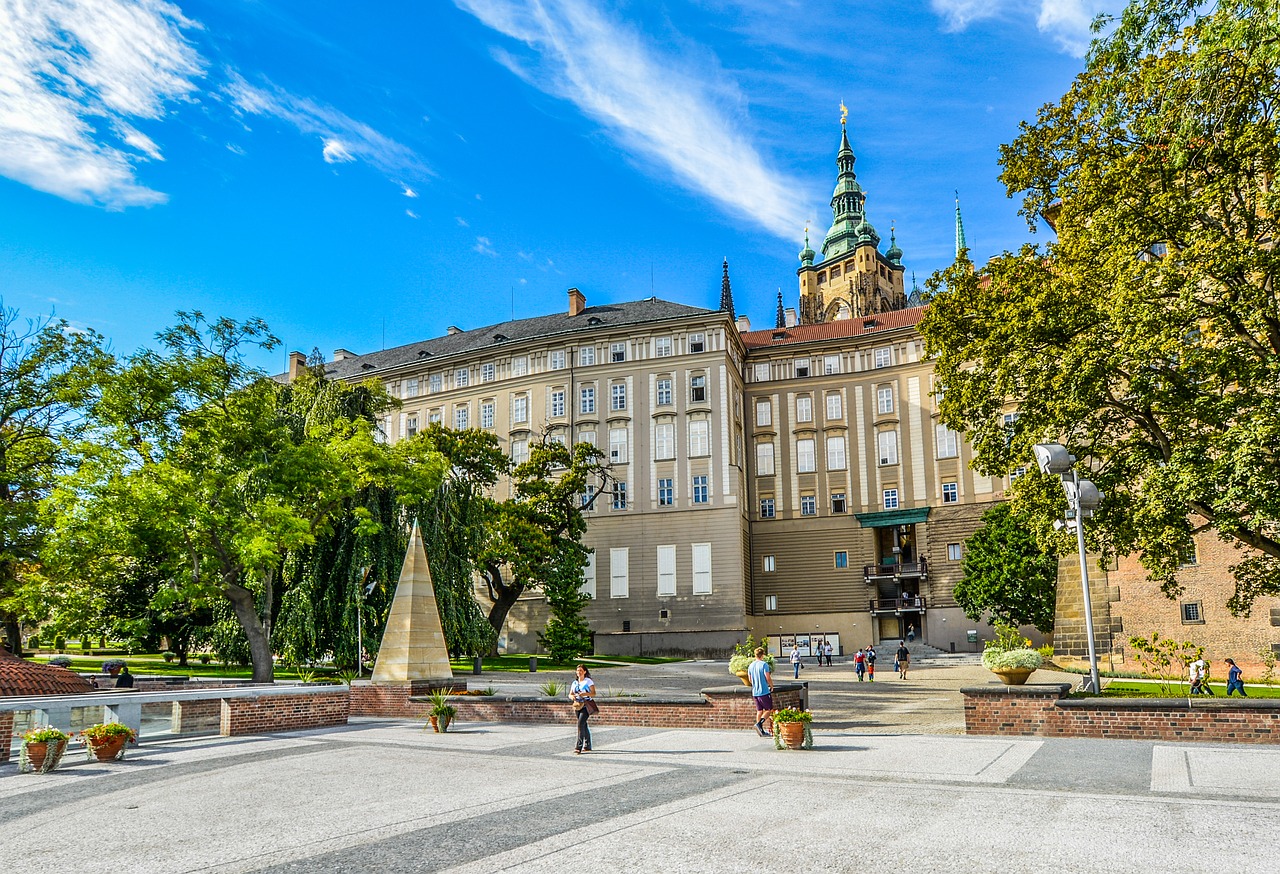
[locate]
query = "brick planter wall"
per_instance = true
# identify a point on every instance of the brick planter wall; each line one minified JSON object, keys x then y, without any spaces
{"x":6,"y":735}
{"x":283,"y":713}
{"x":721,"y":707}
{"x":1045,"y":711}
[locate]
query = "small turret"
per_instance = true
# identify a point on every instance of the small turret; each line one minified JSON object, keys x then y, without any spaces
{"x":894,"y":254}
{"x":961,"y":244}
{"x":726,"y":293}
{"x":807,"y":254}
{"x":781,"y":321}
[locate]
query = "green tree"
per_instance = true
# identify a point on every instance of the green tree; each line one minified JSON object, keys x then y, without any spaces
{"x":1147,"y":335}
{"x":49,"y":375}
{"x":1007,"y":574}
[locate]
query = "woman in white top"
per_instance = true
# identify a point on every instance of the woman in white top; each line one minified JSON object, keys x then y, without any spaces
{"x":581,"y":691}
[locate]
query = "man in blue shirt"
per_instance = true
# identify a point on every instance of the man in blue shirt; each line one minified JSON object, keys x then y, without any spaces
{"x":761,"y":689}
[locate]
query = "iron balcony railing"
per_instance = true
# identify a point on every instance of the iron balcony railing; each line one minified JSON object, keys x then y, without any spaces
{"x":911,"y":569}
{"x":901,"y":604}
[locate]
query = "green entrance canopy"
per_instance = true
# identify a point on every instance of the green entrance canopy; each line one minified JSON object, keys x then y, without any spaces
{"x":890,"y":518}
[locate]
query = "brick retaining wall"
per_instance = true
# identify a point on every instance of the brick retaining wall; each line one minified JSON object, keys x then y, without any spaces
{"x":261,"y":715}
{"x":6,"y":735}
{"x":1044,"y":710}
{"x":721,"y":707}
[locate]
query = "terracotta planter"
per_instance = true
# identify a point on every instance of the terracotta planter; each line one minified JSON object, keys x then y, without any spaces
{"x":45,"y":755}
{"x":744,"y":677}
{"x":441,"y":723}
{"x":109,"y":747}
{"x":1013,"y":676}
{"x":792,"y":734}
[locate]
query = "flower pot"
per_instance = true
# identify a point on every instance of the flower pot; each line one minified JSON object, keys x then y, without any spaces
{"x":743,"y":676}
{"x":792,"y":734}
{"x":44,"y":756}
{"x":435,"y":723}
{"x":441,"y":723}
{"x":109,"y":747}
{"x":1013,"y":676}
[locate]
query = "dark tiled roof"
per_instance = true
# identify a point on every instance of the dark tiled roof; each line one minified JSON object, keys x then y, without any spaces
{"x":20,"y":678}
{"x":833,"y":330}
{"x":593,"y":318}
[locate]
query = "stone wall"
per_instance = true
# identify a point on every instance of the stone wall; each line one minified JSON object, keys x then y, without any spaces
{"x":269,"y":713}
{"x":6,"y":735}
{"x":1070,"y":642}
{"x":1045,"y":711}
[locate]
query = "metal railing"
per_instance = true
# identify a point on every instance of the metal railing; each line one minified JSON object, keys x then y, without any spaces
{"x":893,"y":569}
{"x":913,"y":604}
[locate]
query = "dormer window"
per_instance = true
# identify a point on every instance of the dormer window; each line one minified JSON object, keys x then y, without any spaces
{"x":500,"y":338}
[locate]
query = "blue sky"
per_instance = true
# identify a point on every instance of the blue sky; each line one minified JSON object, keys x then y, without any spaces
{"x":344,"y":170}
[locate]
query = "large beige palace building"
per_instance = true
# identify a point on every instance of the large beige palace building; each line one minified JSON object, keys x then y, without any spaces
{"x":788,"y":482}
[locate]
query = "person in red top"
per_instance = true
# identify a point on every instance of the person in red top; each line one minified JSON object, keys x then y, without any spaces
{"x":860,"y":664}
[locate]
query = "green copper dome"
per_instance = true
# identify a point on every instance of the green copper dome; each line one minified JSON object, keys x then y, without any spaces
{"x":894,"y":254}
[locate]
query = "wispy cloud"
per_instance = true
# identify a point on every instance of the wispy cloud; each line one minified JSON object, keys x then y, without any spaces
{"x":343,"y":139}
{"x":411,"y":214}
{"x":659,"y":107}
{"x":73,"y":74}
{"x":1066,"y":22}
{"x":462,"y":223}
{"x":484,"y":247}
{"x":408,"y":192}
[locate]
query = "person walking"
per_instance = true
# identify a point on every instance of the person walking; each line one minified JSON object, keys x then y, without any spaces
{"x":903,"y":661}
{"x":581,"y":691}
{"x":860,"y":665}
{"x":828,"y":649}
{"x":871,"y":663}
{"x":911,"y":633}
{"x":1234,"y":683}
{"x":124,"y":679}
{"x":761,"y":676}
{"x":795,"y":660}
{"x":1199,"y":673}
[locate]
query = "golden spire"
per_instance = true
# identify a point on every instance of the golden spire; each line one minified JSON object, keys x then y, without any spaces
{"x":844,"y":113}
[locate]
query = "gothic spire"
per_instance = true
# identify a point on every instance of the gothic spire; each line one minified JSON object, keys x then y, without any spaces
{"x":782,"y":314}
{"x":849,"y":226}
{"x":726,"y":293}
{"x":961,"y":245}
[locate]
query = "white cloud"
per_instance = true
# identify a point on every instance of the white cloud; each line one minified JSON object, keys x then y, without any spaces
{"x":235,"y":150}
{"x":522,"y":281}
{"x":1066,"y":22}
{"x":484,"y":247}
{"x":959,"y":14}
{"x":344,"y":138}
{"x":73,"y":73}
{"x":408,"y":192}
{"x":656,"y":106}
{"x":462,"y":223}
{"x":411,"y":214}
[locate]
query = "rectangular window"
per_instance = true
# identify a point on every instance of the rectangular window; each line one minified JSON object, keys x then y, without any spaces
{"x":618,"y":352}
{"x":410,"y":388}
{"x":587,"y":356}
{"x":697,"y":343}
{"x":700,"y":490}
{"x":769,"y":564}
{"x":883,"y":357}
{"x":557,"y":403}
{"x":764,"y":459}
{"x":664,"y":441}
{"x":766,"y":508}
{"x":842,"y":559}
{"x":435,"y":417}
{"x":771,"y":602}
{"x":887,"y":441}
{"x":618,"y":396}
{"x":486,"y":414}
{"x":462,"y":377}
{"x":587,"y":399}
{"x":556,"y":359}
{"x":662,"y":347}
{"x":955,"y":552}
{"x":805,"y":461}
{"x":435,"y":382}
{"x":698,"y":389}
{"x":831,"y":364}
{"x":587,"y":437}
{"x":801,"y":366}
{"x":1192,"y":614}
{"x":619,"y":495}
{"x":699,"y":437}
{"x":664,"y":392}
{"x":884,"y":400}
{"x":838,"y":503}
{"x":804,"y":409}
{"x":618,"y":445}
{"x":836,"y":453}
{"x":808,"y":505}
{"x":519,"y":451}
{"x":950,"y":493}
{"x":410,"y":426}
{"x":764,"y":414}
{"x":702,"y":568}
{"x":666,"y":492}
{"x":948,"y":442}
{"x":1016,"y":472}
{"x":519,"y":366}
{"x":461,"y":418}
{"x":619,"y":573}
{"x":835,"y":408}
{"x":488,"y":373}
{"x":761,"y":372}
{"x":589,"y":576}
{"x":891,"y":499}
{"x":666,"y":570}
{"x":519,"y":410}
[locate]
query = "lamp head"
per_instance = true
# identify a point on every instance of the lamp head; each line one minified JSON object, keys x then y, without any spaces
{"x":1053,"y":458}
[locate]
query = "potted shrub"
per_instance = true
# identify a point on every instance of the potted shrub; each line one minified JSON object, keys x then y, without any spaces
{"x":1010,"y":656}
{"x":743,"y":655}
{"x":112,"y":666}
{"x":168,"y":655}
{"x":42,"y":749}
{"x":60,"y":661}
{"x":791,"y":728}
{"x":442,"y":712}
{"x":106,"y":740}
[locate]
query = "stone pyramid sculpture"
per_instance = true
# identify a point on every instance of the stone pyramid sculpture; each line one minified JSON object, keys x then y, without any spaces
{"x":413,"y":647}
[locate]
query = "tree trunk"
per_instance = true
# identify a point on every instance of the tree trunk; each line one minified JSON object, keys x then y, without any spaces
{"x":502,"y":604}
{"x":13,"y":631}
{"x":259,"y":646}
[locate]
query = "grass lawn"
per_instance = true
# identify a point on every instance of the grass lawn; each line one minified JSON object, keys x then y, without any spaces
{"x":1126,"y":689}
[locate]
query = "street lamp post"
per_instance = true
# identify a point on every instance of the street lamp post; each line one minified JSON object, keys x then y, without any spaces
{"x":1083,"y":498}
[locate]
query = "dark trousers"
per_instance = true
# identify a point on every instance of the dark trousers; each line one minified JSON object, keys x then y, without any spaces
{"x":1235,"y":686}
{"x":584,"y":733}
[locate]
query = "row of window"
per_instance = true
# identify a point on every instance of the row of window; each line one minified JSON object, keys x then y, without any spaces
{"x":802,"y":368}
{"x":699,"y":492}
{"x":889,"y":499}
{"x":667,"y":583}
{"x":840,"y":558}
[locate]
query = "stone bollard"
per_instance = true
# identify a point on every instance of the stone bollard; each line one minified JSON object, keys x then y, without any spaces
{"x":533,"y":664}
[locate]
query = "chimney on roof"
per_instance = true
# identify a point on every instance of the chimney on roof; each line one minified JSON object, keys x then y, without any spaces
{"x":577,"y":301}
{"x":791,"y":317}
{"x":342,"y":354}
{"x":452,"y":329}
{"x":743,"y":323}
{"x":297,"y":364}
